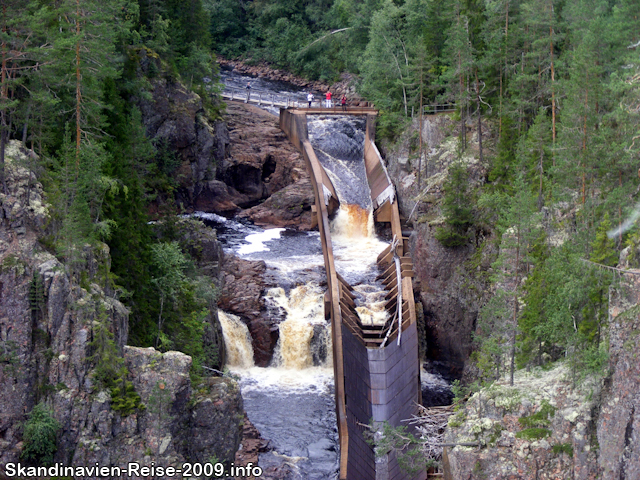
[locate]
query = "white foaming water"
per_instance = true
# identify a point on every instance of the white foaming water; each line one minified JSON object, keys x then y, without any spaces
{"x":257,"y":241}
{"x":372,"y":312}
{"x":355,"y":245}
{"x":293,"y":367}
{"x":209,"y":216}
{"x":304,"y":309}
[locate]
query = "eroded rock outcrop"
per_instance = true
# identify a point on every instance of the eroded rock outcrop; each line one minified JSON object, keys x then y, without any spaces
{"x":542,"y":427}
{"x":619,"y":419}
{"x":222,"y":165}
{"x":263,"y":165}
{"x":554,"y":424}
{"x":182,"y":130}
{"x":246,"y":282}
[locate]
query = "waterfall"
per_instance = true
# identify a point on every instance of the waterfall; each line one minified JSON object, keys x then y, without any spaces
{"x":237,"y":341}
{"x":371,"y":311}
{"x":353,"y":222}
{"x":302,"y":359}
{"x":303,"y":334}
{"x":356,"y":248}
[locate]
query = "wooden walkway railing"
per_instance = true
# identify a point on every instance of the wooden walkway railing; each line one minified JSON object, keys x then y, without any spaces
{"x":258,"y":97}
{"x":376,"y":368}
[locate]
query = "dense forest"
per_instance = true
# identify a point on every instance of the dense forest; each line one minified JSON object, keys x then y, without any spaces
{"x":558,"y":82}
{"x":71,"y":80}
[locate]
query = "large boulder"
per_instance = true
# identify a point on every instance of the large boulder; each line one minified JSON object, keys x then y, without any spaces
{"x":245,"y":284}
{"x":541,"y":427}
{"x":262,"y":164}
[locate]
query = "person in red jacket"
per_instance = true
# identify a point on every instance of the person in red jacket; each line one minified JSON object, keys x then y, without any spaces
{"x":328,"y":99}
{"x":343,"y":102}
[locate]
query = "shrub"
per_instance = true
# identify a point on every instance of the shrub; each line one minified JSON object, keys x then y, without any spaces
{"x":40,"y":432}
{"x":540,"y":418}
{"x":560,"y":448}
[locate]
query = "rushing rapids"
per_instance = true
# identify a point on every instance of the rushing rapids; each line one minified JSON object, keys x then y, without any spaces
{"x":291,"y":401}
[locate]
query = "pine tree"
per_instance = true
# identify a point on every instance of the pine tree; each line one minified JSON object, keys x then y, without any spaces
{"x":457,"y":208}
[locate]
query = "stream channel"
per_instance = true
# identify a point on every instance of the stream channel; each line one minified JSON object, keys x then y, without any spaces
{"x":291,"y":402}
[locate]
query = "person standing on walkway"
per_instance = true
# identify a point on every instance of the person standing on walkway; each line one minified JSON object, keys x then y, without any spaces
{"x":343,"y":102}
{"x":310,"y":98}
{"x":248,"y":92}
{"x":328,"y":97}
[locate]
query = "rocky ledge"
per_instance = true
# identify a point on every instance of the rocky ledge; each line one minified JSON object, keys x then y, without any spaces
{"x":263,"y":166}
{"x":541,"y":427}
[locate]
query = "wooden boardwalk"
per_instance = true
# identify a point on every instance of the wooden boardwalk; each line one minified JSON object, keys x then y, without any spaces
{"x":376,"y":369}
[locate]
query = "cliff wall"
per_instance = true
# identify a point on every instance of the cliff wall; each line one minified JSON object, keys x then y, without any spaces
{"x":52,"y":344}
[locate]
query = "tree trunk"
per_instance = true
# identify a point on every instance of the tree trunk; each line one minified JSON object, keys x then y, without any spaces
{"x":78,"y":88}
{"x":540,"y":168}
{"x":553,"y":91}
{"x":515,"y":312}
{"x":420,"y":134}
{"x":479,"y":117}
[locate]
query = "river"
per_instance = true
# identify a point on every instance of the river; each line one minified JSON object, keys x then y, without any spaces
{"x":291,"y":402}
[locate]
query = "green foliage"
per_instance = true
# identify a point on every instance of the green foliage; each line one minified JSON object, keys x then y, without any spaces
{"x":533,"y":434}
{"x":461,"y":392}
{"x":502,"y":166}
{"x":458,"y":419}
{"x":110,"y":372}
{"x":40,"y":432}
{"x":457,"y":208}
{"x":36,"y":296}
{"x":405,"y":445}
{"x":563,"y":448}
{"x":9,"y":361}
{"x":539,"y":419}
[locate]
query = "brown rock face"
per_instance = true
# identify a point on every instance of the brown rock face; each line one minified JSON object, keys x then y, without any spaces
{"x":450,"y":291}
{"x":449,"y":314}
{"x":289,"y":207}
{"x":243,"y":292}
{"x":263,"y":164}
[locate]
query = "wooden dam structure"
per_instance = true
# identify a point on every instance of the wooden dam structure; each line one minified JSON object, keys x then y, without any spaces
{"x":376,"y":368}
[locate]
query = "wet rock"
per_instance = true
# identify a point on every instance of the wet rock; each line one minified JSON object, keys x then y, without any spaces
{"x":289,"y":207}
{"x":252,"y":444}
{"x":263,"y":166}
{"x":245,"y":284}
